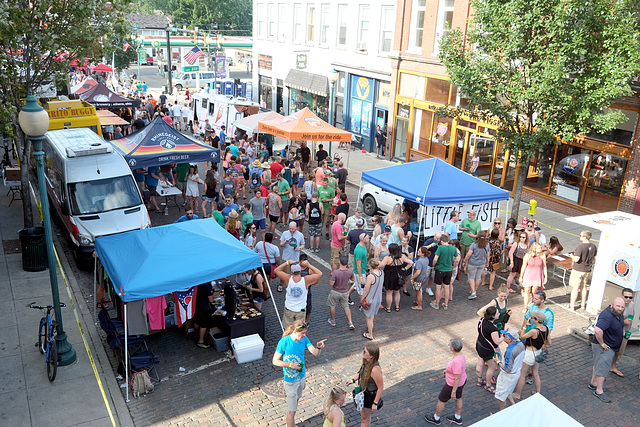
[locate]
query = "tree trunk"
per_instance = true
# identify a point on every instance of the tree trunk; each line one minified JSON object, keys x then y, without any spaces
{"x":523,"y":169}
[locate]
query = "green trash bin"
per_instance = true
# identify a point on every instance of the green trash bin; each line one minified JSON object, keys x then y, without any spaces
{"x":34,"y":249}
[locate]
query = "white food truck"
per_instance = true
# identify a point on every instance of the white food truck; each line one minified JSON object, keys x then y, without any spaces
{"x":91,"y":188}
{"x":221,"y":110}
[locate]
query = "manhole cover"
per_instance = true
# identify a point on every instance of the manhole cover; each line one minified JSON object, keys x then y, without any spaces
{"x":273,"y":385}
{"x":12,"y":246}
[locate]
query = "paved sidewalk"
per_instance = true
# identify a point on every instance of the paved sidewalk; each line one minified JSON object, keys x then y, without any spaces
{"x":27,"y":398}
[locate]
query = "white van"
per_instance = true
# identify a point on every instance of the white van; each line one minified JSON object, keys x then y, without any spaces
{"x":184,"y":80}
{"x":91,"y":188}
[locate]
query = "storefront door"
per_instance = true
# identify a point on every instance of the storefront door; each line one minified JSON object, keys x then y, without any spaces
{"x":401,"y":135}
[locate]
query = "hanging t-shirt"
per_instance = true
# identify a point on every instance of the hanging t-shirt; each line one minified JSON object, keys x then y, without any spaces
{"x":155,"y":311}
{"x":293,"y":352}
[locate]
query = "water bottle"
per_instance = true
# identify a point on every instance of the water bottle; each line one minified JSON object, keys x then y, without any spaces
{"x":166,"y":211}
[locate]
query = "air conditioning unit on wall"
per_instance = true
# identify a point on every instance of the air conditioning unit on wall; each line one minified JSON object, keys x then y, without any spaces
{"x":361,"y":46}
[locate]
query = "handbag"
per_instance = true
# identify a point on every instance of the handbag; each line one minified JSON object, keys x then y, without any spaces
{"x":272,"y":274}
{"x":366,"y":304}
{"x":542,"y":356}
{"x":358,"y":399}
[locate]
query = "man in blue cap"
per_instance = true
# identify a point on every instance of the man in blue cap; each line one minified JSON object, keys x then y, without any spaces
{"x":510,"y":364}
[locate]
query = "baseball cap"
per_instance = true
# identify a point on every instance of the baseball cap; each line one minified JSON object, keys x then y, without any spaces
{"x":387,"y":227}
{"x":359,"y":222}
{"x":295,"y":268}
{"x":359,"y":209}
{"x":511,"y":333}
{"x":471,"y":211}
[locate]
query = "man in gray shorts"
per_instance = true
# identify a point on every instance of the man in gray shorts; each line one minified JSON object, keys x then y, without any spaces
{"x":607,"y":338}
{"x":339,"y":293}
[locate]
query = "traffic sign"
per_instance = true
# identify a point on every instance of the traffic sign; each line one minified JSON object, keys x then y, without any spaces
{"x":191,"y":68}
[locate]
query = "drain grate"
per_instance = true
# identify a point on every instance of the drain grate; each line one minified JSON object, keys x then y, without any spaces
{"x":11,"y":246}
{"x":273,"y":385}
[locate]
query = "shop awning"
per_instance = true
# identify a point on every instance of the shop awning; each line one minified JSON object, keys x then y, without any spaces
{"x":307,"y":82}
{"x":109,"y":118}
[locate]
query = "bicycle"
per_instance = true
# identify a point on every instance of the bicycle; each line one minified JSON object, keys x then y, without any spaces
{"x":46,"y":342}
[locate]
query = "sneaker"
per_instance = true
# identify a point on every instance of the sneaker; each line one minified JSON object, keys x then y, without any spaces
{"x":472,"y":296}
{"x":431,"y":419}
{"x":326,"y":236}
{"x":429,"y":292}
{"x":351,"y":327}
{"x":351,"y":302}
{"x":203,"y":345}
{"x":453,"y":419}
{"x":434,"y":305}
{"x":592,"y":387}
{"x":445,"y":307}
{"x":529,"y":379}
{"x":331,"y":322}
{"x":602,"y":397}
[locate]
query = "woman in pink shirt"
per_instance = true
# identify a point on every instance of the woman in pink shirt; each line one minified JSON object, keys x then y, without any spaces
{"x":455,"y":378}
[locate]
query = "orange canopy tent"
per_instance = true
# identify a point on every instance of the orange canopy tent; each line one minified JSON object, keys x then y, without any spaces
{"x":303,"y":125}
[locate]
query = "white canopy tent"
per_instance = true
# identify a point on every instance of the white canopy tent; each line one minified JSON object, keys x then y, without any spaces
{"x":535,"y":411}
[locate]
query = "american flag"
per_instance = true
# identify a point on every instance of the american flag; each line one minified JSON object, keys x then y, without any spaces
{"x":126,"y":46}
{"x":185,"y":304}
{"x":192,"y":56}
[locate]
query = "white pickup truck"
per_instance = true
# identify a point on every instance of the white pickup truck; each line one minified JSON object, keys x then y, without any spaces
{"x":375,"y":199}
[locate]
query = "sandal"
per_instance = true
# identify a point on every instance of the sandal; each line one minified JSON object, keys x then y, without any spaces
{"x":367,"y":336}
{"x":279,"y":289}
{"x":388,"y":310}
{"x":102,"y":305}
{"x":511,"y":291}
{"x":491,"y":389}
{"x":415,"y":307}
{"x":617,"y":372}
{"x":480,"y":382}
{"x":397,"y":308}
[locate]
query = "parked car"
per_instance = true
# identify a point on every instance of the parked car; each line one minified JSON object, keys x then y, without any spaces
{"x":149,"y":59}
{"x":375,"y":199}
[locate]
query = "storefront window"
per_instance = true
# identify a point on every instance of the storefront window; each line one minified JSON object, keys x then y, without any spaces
{"x":461,"y":138}
{"x":319,"y":105}
{"x":540,"y":167}
{"x":401,"y":133}
{"x":605,"y":180}
{"x":482,"y":147}
{"x":438,"y":90}
{"x":421,"y":130}
{"x":623,"y":133}
{"x":572,"y":167}
{"x":412,"y":86}
{"x":266,"y":92}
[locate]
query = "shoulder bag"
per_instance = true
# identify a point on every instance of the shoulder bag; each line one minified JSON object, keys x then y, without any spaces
{"x":273,"y":274}
{"x":365,"y":303}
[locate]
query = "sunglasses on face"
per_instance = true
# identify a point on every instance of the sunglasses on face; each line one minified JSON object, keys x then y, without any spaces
{"x":625,"y":297}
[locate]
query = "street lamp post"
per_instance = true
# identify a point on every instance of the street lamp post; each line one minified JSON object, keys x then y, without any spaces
{"x":34,"y":122}
{"x":333,"y":78}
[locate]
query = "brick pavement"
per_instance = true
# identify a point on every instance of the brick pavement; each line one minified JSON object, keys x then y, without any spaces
{"x":413,"y":355}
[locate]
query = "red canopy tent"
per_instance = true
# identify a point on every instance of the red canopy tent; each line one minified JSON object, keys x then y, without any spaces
{"x":102,"y":67}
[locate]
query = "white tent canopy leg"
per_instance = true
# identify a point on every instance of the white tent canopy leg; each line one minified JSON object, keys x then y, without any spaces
{"x":272,"y":298}
{"x":95,"y":276}
{"x":359,"y":193}
{"x":126,"y":351}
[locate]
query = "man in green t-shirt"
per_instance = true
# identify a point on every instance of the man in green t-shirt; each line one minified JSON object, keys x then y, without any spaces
{"x":326,"y":195}
{"x":247,"y":216}
{"x":360,"y":265}
{"x":219,"y":217}
{"x":181,"y":180}
{"x":283,"y":191}
{"x":443,"y":262}
{"x":333,"y":183}
{"x":469,"y":227}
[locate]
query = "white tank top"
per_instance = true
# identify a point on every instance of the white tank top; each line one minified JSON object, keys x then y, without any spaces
{"x":296,"y":298}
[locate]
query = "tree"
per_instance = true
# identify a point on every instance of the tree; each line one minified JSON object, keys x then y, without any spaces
{"x":38,"y":39}
{"x":230,"y":17}
{"x":543,"y":70}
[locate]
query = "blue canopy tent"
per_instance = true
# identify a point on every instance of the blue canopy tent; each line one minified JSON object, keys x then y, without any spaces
{"x":433,"y":182}
{"x":145,"y":263}
{"x":159,"y":144}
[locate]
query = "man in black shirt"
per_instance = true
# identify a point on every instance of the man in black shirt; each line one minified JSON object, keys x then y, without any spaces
{"x":321,"y":155}
{"x":341,"y":175}
{"x":305,"y":156}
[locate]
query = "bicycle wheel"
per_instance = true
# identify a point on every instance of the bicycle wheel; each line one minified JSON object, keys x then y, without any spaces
{"x":43,"y":335}
{"x":52,"y":360}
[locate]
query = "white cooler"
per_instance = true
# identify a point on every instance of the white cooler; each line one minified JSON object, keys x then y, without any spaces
{"x":247,"y":349}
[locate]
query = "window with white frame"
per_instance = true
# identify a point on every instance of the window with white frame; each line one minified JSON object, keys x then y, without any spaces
{"x":282,"y":21}
{"x":261,"y":20}
{"x":387,"y":22}
{"x":417,"y":24}
{"x":271,"y":23}
{"x":311,"y":23}
{"x":445,"y":22}
{"x":343,"y":22}
{"x":297,"y":23}
{"x":324,"y":24}
{"x":363,"y":27}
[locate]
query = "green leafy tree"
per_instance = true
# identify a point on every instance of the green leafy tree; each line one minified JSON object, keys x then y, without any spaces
{"x":543,"y":69}
{"x":38,"y":39}
{"x":230,"y":17}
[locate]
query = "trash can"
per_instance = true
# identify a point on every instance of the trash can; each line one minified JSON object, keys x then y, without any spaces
{"x":34,"y":248}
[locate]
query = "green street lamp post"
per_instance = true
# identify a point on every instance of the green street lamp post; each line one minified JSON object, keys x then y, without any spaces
{"x":34,"y":122}
{"x":333,"y":78}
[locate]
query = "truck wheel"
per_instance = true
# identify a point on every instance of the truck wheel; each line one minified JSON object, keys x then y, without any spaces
{"x":369,"y":205}
{"x":179,"y":88}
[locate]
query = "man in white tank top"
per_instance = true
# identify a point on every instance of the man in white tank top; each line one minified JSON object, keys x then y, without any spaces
{"x":295,"y":302}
